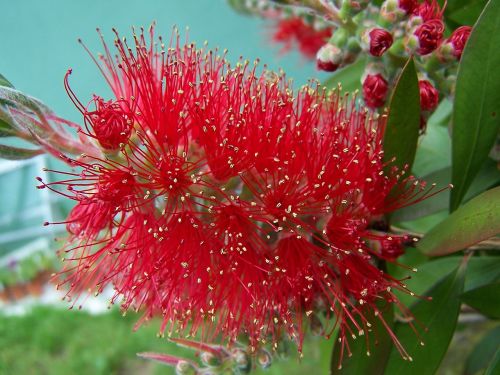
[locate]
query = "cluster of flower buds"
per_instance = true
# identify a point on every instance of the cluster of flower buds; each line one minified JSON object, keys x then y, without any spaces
{"x":386,"y":36}
{"x":227,"y":202}
{"x":215,"y":359}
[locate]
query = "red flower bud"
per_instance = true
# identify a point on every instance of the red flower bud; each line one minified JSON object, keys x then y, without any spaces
{"x":329,"y":58}
{"x":429,"y":36}
{"x":380,"y":41}
{"x":429,"y":96}
{"x":458,"y":39}
{"x":429,"y":11}
{"x":409,"y":6}
{"x":375,"y":90}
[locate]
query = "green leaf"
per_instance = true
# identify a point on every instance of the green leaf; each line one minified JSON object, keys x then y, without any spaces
{"x":468,"y":13}
{"x":5,"y":82}
{"x":349,"y":77}
{"x":487,"y":177}
{"x":360,"y":362}
{"x":434,"y":149}
{"x":439,"y":316}
{"x":484,"y":299}
{"x":17,"y":153}
{"x":483,"y":352}
{"x":477,"y":220}
{"x":5,"y":129}
{"x":480,"y":271}
{"x":403,"y":121}
{"x":494,"y":367}
{"x":476,"y":110}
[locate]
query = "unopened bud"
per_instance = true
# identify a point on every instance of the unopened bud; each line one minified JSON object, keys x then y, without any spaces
{"x":185,"y":368}
{"x":329,"y":58}
{"x":264,"y":358}
{"x":458,"y":39}
{"x":429,"y":36}
{"x":375,"y":89}
{"x":241,"y":359}
{"x":429,"y":96}
{"x":379,"y":41}
{"x":209,"y":359}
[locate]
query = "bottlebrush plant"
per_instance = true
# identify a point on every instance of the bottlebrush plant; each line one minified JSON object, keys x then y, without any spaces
{"x":247,"y":214}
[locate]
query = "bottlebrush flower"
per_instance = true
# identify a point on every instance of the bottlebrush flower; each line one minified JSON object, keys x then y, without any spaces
{"x":380,"y":40}
{"x":235,"y":205}
{"x":375,"y":89}
{"x":429,"y":35}
{"x":429,"y":95}
{"x":294,"y":30}
{"x":458,"y":39}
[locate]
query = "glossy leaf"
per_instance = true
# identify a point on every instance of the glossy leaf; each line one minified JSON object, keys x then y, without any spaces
{"x":360,"y":362}
{"x":488,"y":177}
{"x":484,"y":299}
{"x":477,"y":220}
{"x":439,"y":316}
{"x":476,"y":111}
{"x":480,"y":271}
{"x":494,"y":367}
{"x":483,"y":352}
{"x":349,"y":77}
{"x":467,"y":13}
{"x":5,"y":82}
{"x":403,"y":121}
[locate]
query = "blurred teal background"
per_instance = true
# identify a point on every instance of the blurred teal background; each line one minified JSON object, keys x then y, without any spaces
{"x":39,"y":40}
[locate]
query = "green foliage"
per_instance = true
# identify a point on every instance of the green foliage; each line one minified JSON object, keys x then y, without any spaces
{"x":483,"y":353}
{"x":476,"y":221}
{"x":403,"y":122}
{"x":367,"y":359}
{"x":439,"y":317}
{"x":476,"y":110}
{"x":484,"y":299}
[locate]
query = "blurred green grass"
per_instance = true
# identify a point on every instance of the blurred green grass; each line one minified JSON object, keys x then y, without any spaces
{"x":54,"y":341}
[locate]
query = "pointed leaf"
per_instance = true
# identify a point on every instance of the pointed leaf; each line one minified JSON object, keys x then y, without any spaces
{"x":403,"y":121}
{"x":5,"y":82}
{"x":494,"y":367}
{"x":439,"y":316}
{"x":483,"y":352}
{"x":360,"y":362}
{"x":166,"y":359}
{"x":477,"y":220}
{"x":476,"y":110}
{"x":487,"y":177}
{"x":17,"y":153}
{"x":484,"y":299}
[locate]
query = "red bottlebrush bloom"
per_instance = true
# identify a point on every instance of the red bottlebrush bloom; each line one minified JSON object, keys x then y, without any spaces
{"x":429,"y":95}
{"x":429,"y":36}
{"x":237,"y":205}
{"x":294,"y":30}
{"x":375,"y":89}
{"x":458,"y":39}
{"x":380,"y":41}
